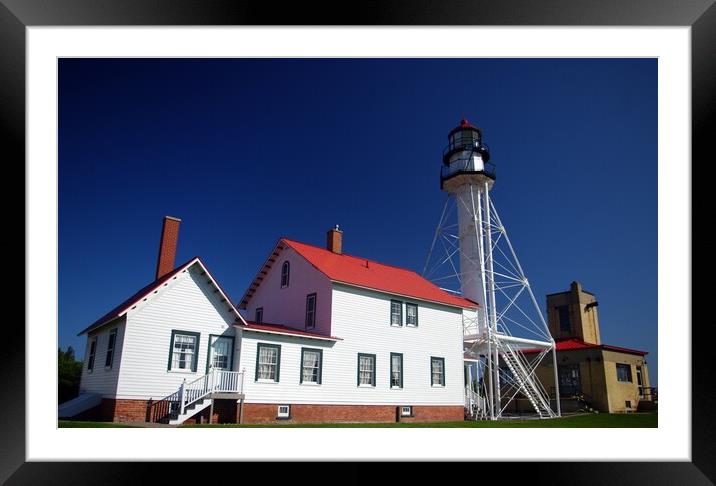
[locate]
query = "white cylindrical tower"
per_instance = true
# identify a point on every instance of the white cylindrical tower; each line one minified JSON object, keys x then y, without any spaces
{"x":468,"y":176}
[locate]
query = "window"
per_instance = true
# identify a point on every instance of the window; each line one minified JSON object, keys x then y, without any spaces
{"x":311,"y":363}
{"x":437,"y":371}
{"x":366,"y":369}
{"x":639,"y":381}
{"x":411,"y":315}
{"x":285,"y":274}
{"x":310,"y":311}
{"x":406,"y":411}
{"x":284,"y":411}
{"x":183,"y":351}
{"x":564,"y":324}
{"x":92,"y":352}
{"x":623,"y":372}
{"x":627,"y":404}
{"x":396,"y":313}
{"x":110,"y":348}
{"x":396,"y":370}
{"x":259,"y":318}
{"x":268,"y":362}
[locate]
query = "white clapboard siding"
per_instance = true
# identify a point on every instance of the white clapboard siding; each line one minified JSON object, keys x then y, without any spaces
{"x":187,"y":303}
{"x":288,"y":389}
{"x":103,"y":379}
{"x":287,"y":305}
{"x":362,"y":319}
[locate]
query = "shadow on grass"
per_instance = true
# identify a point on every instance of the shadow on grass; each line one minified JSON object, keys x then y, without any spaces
{"x":602,"y":420}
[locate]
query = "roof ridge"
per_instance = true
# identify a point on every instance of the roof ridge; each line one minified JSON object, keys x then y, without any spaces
{"x":142,"y":290}
{"x":357,"y":257}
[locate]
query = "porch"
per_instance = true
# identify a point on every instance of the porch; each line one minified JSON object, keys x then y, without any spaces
{"x":198,"y":395}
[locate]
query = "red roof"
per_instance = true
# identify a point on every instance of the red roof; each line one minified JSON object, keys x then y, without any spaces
{"x":571,"y":344}
{"x":465,"y":124}
{"x":376,"y":276}
{"x":279,"y":329}
{"x":145,"y":291}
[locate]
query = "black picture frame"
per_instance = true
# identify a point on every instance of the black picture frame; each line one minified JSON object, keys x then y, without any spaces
{"x":700,"y":15}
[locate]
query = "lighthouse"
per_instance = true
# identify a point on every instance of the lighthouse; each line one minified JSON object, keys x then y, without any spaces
{"x":472,"y":244}
{"x":467,"y":176}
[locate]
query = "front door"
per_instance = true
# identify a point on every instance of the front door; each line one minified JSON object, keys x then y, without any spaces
{"x":569,"y":380}
{"x":220,"y":352}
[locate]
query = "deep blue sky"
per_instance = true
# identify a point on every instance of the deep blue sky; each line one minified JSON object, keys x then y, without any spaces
{"x":247,"y":150}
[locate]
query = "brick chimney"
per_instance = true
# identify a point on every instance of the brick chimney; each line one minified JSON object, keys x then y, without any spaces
{"x":168,"y":246}
{"x":335,"y":240}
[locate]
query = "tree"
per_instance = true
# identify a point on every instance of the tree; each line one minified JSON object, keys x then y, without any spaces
{"x":69,"y":371}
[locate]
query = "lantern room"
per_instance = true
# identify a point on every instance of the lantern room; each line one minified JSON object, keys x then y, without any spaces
{"x":466,"y":154}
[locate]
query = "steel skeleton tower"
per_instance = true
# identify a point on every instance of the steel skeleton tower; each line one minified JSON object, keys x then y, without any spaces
{"x":482,"y":261}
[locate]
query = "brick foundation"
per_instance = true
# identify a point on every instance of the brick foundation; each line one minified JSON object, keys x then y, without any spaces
{"x":227,"y":411}
{"x":259,"y":413}
{"x":117,"y":410}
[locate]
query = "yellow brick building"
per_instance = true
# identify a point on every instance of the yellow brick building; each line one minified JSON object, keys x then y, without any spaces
{"x":592,"y":374}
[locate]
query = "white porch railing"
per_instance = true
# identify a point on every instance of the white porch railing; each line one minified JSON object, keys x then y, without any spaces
{"x":474,"y":403}
{"x":216,"y":381}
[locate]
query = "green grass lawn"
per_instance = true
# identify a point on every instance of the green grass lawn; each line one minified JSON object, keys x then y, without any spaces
{"x":72,"y":424}
{"x":633,"y":420}
{"x":638,"y":420}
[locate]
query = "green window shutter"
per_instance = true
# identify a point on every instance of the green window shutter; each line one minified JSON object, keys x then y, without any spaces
{"x":195,"y":361}
{"x":320,"y":366}
{"x":171,"y":351}
{"x":300,"y":369}
{"x":375,"y":366}
{"x":258,"y":351}
{"x":401,"y":371}
{"x":278,"y":362}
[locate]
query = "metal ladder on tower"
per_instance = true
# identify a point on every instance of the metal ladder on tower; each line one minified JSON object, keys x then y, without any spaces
{"x":525,"y":382}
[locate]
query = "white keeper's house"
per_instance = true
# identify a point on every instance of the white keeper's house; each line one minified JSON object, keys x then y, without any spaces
{"x":319,"y":336}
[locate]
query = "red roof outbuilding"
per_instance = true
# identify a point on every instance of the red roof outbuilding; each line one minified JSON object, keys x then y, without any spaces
{"x":571,"y":344}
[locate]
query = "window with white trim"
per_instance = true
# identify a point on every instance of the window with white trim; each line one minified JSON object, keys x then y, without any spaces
{"x":396,"y":313}
{"x":406,"y":411}
{"x":437,"y":371}
{"x":110,"y":348}
{"x":396,"y":370}
{"x":366,"y":369}
{"x":284,"y":411}
{"x":411,"y":314}
{"x":184,"y":351}
{"x":311,"y":362}
{"x":268,"y":359}
{"x":92,"y":353}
